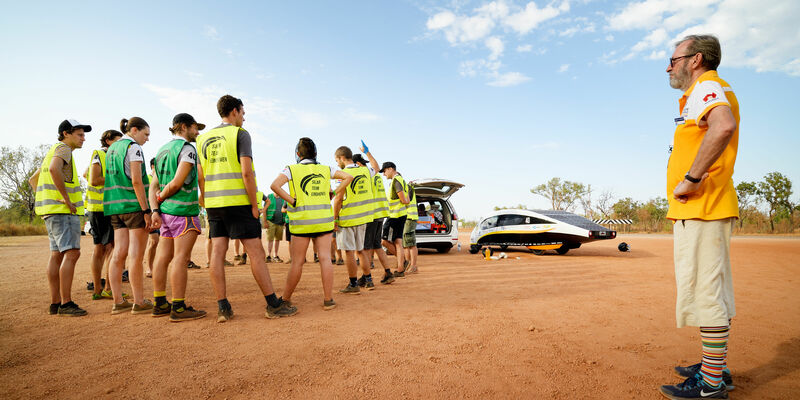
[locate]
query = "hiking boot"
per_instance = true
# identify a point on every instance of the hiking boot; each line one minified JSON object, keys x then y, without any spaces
{"x":145,"y":307}
{"x":362,"y":281}
{"x":340,"y":262}
{"x":224,"y":315}
{"x":71,"y":310}
{"x":693,"y":370}
{"x":283,"y":310}
{"x":350,"y":289}
{"x":328,"y":305}
{"x":162,"y":310}
{"x":387,"y":279}
{"x":125,"y":276}
{"x":268,"y":259}
{"x":277,"y":259}
{"x":399,"y":274}
{"x":185,"y":314}
{"x":370,"y":285}
{"x":120,"y":308}
{"x":694,"y":388}
{"x":54,"y":308}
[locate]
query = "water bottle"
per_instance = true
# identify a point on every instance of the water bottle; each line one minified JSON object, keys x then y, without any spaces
{"x":459,"y":246}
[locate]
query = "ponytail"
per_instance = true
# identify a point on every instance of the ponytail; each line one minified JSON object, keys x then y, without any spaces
{"x":135,"y":122}
{"x":123,"y":126}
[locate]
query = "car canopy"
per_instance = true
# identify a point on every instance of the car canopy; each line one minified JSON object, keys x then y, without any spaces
{"x":432,"y":187}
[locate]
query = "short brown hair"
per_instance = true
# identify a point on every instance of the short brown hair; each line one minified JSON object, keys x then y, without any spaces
{"x":108,"y":135}
{"x":345,"y":152}
{"x":306,"y":149}
{"x":708,"y":46}
{"x":228,"y":103}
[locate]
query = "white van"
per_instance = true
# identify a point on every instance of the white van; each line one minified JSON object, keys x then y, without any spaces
{"x":435,"y":231}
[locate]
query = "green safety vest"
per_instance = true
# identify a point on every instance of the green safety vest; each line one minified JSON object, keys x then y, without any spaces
{"x":184,"y":202}
{"x":219,"y":158}
{"x":396,"y":207}
{"x":357,"y":206}
{"x":94,"y":197}
{"x":48,"y":199}
{"x":380,"y":204}
{"x":310,"y":186}
{"x":118,"y":194}
{"x":412,"y":212}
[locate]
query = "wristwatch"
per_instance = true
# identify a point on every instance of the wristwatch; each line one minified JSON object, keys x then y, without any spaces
{"x":691,"y":178}
{"x":148,"y":211}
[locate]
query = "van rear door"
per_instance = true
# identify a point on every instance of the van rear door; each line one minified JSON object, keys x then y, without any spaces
{"x":438,"y":188}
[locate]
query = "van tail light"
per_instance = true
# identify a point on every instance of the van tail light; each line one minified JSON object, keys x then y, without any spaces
{"x":455,"y":217}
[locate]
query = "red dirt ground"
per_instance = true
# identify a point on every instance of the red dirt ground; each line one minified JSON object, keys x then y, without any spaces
{"x":595,"y":323}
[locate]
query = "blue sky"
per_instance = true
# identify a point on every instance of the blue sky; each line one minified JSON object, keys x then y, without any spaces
{"x":500,"y":96}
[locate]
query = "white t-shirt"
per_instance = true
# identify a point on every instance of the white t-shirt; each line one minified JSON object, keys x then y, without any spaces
{"x":96,"y":158}
{"x":135,"y":153}
{"x":287,"y":173}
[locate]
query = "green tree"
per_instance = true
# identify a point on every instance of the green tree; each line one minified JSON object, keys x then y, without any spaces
{"x":16,"y":166}
{"x":653,"y":213}
{"x":747,"y":192}
{"x":776,"y":190}
{"x":562,"y":194}
{"x":517,"y":207}
{"x":627,"y":208}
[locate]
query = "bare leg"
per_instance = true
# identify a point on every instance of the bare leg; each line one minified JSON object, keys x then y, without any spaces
{"x":333,"y":249}
{"x":414,"y":253}
{"x":258,"y":264}
{"x":277,"y":246}
{"x":398,"y":247}
{"x":389,"y":246}
{"x":297,"y":251}
{"x":179,"y":274}
{"x":121,"y":241}
{"x":382,"y":257}
{"x":163,"y":256}
{"x":208,"y":251}
{"x":325,"y":266}
{"x":98,"y":258}
{"x":365,"y":262}
{"x":237,"y":246}
{"x":152,"y":245}
{"x":53,"y":279}
{"x":66,"y":272}
{"x":270,"y":244}
{"x":136,"y":255}
{"x":109,"y":250}
{"x":350,"y":262}
{"x":220,"y":247}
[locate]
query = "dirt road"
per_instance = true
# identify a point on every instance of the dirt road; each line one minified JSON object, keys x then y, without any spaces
{"x":594,"y":323}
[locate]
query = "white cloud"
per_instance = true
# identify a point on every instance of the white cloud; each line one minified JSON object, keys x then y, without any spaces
{"x":441,"y":20}
{"x":609,"y":38}
{"x":754,"y":35}
{"x":495,"y":46}
{"x":524,"y":48}
{"x":211,"y":32}
{"x":563,"y":68}
{"x":531,"y":16}
{"x":508,"y":79}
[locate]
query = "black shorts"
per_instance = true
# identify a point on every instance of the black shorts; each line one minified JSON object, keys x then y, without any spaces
{"x":372,"y":238}
{"x":393,"y":228}
{"x":102,"y":232}
{"x":288,"y":234}
{"x":235,"y":222}
{"x":311,"y":235}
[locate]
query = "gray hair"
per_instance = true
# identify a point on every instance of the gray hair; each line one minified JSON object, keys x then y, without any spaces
{"x":708,"y":46}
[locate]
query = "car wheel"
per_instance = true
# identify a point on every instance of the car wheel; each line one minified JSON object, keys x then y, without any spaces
{"x":444,"y":249}
{"x":503,"y":247}
{"x":473,"y":249}
{"x":563,"y":249}
{"x":538,"y":252}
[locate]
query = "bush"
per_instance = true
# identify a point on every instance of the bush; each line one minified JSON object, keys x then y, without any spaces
{"x":11,"y":229}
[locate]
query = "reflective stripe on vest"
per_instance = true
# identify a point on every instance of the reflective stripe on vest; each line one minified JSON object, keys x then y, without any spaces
{"x":119,"y":197}
{"x":184,"y":202}
{"x":217,"y":152}
{"x":48,"y":199}
{"x":396,"y":207}
{"x":357,"y":206}
{"x":380,"y":204}
{"x":94,"y":195}
{"x":310,"y":186}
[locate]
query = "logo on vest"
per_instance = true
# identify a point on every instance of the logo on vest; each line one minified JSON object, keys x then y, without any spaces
{"x":214,"y":143}
{"x":307,"y":180}
{"x":355,"y":183}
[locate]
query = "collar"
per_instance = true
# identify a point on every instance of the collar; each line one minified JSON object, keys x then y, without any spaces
{"x":710,"y":74}
{"x":307,"y":161}
{"x":353,"y":165}
{"x":176,"y":137}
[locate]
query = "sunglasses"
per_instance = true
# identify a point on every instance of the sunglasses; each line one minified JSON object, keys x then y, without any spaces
{"x":672,"y":60}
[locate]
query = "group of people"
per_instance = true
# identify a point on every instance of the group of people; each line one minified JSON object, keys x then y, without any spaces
{"x":126,"y":206}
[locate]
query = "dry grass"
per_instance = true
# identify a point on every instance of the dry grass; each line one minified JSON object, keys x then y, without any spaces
{"x":11,"y":229}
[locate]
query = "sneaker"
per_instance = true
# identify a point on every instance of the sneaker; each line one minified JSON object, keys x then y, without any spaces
{"x":370,"y":285}
{"x":145,"y":307}
{"x":349,"y":289}
{"x":192,"y":265}
{"x":387,"y":279}
{"x":694,"y":388}
{"x":362,"y":281}
{"x":405,"y":264}
{"x":328,"y":305}
{"x":185,"y":314}
{"x":97,"y":296}
{"x":693,"y":370}
{"x":71,"y":310}
{"x":120,"y":308}
{"x":283,"y":310}
{"x":277,"y":259}
{"x":54,"y":308}
{"x":244,"y":259}
{"x":162,"y":310}
{"x":413,"y":270}
{"x":106,"y":294}
{"x":228,"y":263}
{"x":340,"y":262}
{"x":90,"y":286}
{"x":125,"y":276}
{"x":399,"y":274}
{"x":224,"y":315}
{"x":268,"y":259}
{"x":237,"y":258}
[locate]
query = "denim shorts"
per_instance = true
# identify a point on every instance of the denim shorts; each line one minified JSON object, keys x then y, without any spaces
{"x":64,"y":231}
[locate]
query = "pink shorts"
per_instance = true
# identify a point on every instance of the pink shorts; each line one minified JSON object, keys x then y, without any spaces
{"x":173,"y":226}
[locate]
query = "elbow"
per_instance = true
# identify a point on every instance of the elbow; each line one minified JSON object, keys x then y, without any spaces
{"x":247,"y":174}
{"x":274,"y":187}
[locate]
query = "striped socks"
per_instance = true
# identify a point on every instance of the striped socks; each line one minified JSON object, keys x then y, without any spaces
{"x":715,"y":351}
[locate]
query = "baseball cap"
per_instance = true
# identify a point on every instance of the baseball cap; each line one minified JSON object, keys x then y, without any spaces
{"x":387,"y":164}
{"x":358,"y":158}
{"x":184,"y":118}
{"x":70,"y":124}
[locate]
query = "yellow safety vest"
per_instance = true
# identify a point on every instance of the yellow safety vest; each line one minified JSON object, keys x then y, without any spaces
{"x":381,"y":205}
{"x":224,"y":186}
{"x":94,"y":196}
{"x":310,"y":187}
{"x":412,"y":212}
{"x":260,"y":200}
{"x":357,"y":207}
{"x":396,"y":207}
{"x":48,"y":198}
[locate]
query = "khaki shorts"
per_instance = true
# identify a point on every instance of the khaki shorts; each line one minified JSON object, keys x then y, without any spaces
{"x":410,"y":233}
{"x":703,"y":272}
{"x":133,"y":220}
{"x":274,"y":231}
{"x":351,"y":238}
